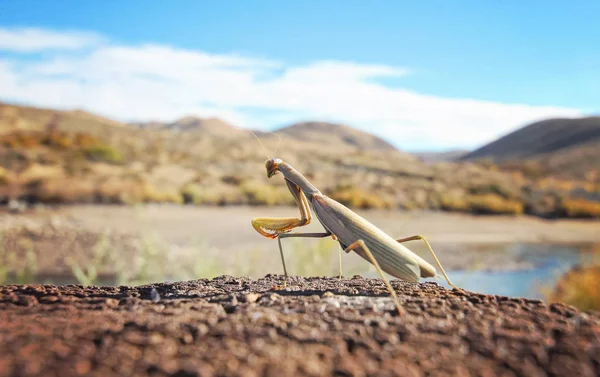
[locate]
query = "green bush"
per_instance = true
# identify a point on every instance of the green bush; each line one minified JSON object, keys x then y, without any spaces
{"x":103,"y":153}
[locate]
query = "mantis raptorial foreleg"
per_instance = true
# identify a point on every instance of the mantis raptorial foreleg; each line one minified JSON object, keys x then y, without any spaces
{"x":417,"y":238}
{"x":276,"y":227}
{"x":272,"y":227}
{"x":361,"y":244}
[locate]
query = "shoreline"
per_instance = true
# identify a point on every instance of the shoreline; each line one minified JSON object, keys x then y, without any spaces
{"x":438,"y":226}
{"x":214,"y":241}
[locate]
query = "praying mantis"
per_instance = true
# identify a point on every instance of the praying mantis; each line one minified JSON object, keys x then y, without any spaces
{"x":353,"y":232}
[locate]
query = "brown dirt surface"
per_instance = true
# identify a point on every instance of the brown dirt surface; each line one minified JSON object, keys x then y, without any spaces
{"x":316,"y":327}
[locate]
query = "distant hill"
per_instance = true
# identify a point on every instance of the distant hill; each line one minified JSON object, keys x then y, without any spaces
{"x":540,"y":138}
{"x":565,"y":148}
{"x":198,"y":139}
{"x":433,"y":157}
{"x":335,"y":134}
{"x":74,"y":156}
{"x":207,"y":126}
{"x":16,"y":117}
{"x":302,"y":138}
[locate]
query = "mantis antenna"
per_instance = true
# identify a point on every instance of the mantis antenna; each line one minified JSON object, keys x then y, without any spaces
{"x":261,"y":143}
{"x":278,"y":142}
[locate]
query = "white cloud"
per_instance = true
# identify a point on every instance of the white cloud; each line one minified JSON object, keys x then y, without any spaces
{"x":155,"y":82}
{"x":33,"y":39}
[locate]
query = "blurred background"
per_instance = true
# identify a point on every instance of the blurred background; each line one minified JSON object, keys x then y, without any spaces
{"x":126,"y":155}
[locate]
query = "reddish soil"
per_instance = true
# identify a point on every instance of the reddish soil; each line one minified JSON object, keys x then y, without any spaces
{"x":316,"y":327}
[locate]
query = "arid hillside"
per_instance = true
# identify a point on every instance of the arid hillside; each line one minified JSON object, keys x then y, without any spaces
{"x":567,"y":148}
{"x":75,"y":157}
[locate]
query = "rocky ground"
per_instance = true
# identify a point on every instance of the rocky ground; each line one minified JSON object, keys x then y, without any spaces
{"x":316,"y":327}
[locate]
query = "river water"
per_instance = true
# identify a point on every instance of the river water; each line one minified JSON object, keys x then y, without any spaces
{"x":539,"y":266}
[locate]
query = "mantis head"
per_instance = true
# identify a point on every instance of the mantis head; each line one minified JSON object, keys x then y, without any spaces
{"x":272,"y":166}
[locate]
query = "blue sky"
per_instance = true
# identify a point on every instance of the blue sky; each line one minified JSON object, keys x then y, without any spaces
{"x":426,"y":75}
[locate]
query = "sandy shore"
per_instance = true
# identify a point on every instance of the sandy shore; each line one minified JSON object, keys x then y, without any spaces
{"x":220,"y":240}
{"x":229,"y":227}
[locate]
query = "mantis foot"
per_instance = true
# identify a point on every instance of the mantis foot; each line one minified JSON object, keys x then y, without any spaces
{"x":280,"y":287}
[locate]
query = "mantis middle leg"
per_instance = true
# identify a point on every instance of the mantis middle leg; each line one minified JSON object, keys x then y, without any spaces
{"x":302,"y":235}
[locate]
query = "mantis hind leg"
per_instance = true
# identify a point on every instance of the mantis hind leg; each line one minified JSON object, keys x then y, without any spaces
{"x":340,"y":261}
{"x":361,"y":244}
{"x":298,"y":235}
{"x":437,"y":261}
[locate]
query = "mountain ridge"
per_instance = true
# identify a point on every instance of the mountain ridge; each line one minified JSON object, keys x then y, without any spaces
{"x":540,"y":137}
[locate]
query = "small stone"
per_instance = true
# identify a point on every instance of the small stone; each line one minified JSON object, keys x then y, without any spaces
{"x":48,"y":299}
{"x":252,"y":297}
{"x":27,"y":300}
{"x":156,"y":338}
{"x":154,"y":295}
{"x":274,"y":297}
{"x":187,"y":338}
{"x":83,"y":367}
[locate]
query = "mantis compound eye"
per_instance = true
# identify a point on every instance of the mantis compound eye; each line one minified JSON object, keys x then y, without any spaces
{"x":272,"y":166}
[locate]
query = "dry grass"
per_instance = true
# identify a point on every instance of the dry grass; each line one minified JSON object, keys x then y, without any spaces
{"x":262,"y":194}
{"x":492,"y":203}
{"x":581,"y":208}
{"x":454,"y":203}
{"x":579,"y":287}
{"x":357,"y":197}
{"x":482,"y":204}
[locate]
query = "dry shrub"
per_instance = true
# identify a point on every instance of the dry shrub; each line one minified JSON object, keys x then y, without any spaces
{"x":263,"y":194}
{"x":191,"y":194}
{"x":457,"y":203}
{"x":221,"y":194}
{"x":213,"y":194}
{"x":37,"y":172}
{"x":20,"y":139}
{"x":591,"y":187}
{"x":356,"y":197}
{"x":235,"y":180}
{"x":84,"y":140}
{"x":66,"y":190}
{"x":6,"y":176}
{"x":580,"y":208}
{"x":57,"y":139}
{"x":116,"y":190}
{"x":497,"y":188}
{"x":579,"y":287}
{"x":494,"y":204}
{"x":154,"y":195}
{"x":533,"y":169}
